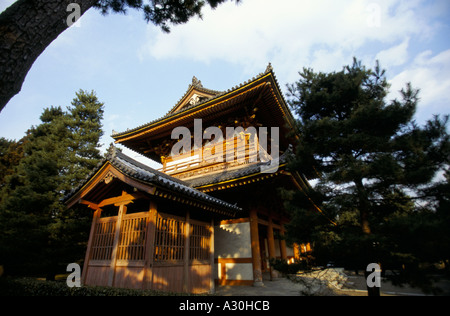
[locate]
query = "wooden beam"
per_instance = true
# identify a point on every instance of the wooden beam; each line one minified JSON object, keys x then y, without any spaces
{"x":263,"y":222}
{"x":283,"y":243}
{"x":91,"y":205}
{"x":187,"y":237}
{"x":271,"y":246}
{"x":134,"y":183}
{"x":212,"y":289}
{"x":150,"y":246}
{"x":256,"y":256}
{"x":124,"y":199}
{"x":95,"y":218}
{"x":267,"y":223}
{"x":112,"y":270}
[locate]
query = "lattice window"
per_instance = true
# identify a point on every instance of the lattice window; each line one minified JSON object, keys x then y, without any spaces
{"x":169,"y":239}
{"x":132,"y":238}
{"x":103,"y":240}
{"x":200,"y":242}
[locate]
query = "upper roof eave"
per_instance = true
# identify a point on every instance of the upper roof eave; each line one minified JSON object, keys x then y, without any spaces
{"x":267,"y":75}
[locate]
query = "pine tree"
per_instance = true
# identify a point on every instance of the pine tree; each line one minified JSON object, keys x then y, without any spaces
{"x":371,"y":159}
{"x":11,"y":152}
{"x":84,"y":123}
{"x":38,"y":231}
{"x":70,"y":229}
{"x":30,"y":199}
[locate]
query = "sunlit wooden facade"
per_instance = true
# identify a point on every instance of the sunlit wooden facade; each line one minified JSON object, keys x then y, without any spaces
{"x":149,"y":230}
{"x":212,"y":214}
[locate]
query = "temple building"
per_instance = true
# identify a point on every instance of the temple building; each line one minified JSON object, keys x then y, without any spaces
{"x":212,"y":214}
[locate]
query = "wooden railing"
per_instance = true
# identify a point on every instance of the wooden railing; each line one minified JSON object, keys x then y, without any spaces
{"x":132,"y":237}
{"x":242,"y":152}
{"x":200,"y":239}
{"x":177,"y":258}
{"x":169,"y":239}
{"x":103,"y":240}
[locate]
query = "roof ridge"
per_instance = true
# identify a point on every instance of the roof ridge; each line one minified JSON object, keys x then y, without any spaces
{"x":197,"y":83}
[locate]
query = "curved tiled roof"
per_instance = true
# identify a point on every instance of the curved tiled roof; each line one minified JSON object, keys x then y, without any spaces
{"x":252,"y":169}
{"x":146,"y":174}
{"x":217,"y":94}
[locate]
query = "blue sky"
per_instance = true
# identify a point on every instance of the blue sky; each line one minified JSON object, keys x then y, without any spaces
{"x":140,"y":72}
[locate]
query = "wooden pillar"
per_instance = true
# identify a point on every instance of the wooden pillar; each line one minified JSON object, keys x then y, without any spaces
{"x":211,"y":258}
{"x":271,"y":246}
{"x":283,"y":244}
{"x":187,"y":240}
{"x":150,"y":247}
{"x":87,"y":257}
{"x":256,"y":257}
{"x":112,"y":270}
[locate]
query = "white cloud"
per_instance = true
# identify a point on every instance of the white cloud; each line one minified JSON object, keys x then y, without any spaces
{"x":394,"y":56}
{"x":429,"y":74}
{"x":291,"y":33}
{"x":324,"y":35}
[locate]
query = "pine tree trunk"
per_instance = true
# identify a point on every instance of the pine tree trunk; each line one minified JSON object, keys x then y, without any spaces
{"x":364,"y":207}
{"x":27,"y":27}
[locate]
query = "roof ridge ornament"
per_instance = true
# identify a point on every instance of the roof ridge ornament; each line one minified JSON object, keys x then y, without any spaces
{"x":112,"y":151}
{"x":269,"y":68}
{"x":196,"y":83}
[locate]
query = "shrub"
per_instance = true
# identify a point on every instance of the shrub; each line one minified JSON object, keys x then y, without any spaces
{"x":286,"y":268}
{"x":35,"y":287}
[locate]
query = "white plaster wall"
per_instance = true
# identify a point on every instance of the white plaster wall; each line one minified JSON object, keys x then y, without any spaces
{"x":239,"y":271}
{"x":232,"y":241}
